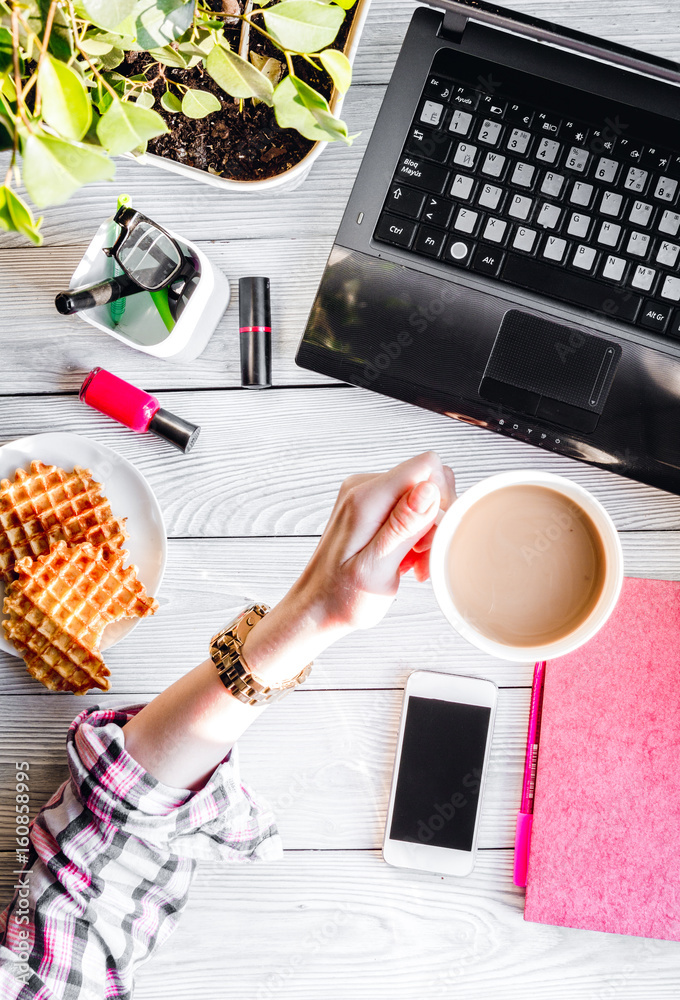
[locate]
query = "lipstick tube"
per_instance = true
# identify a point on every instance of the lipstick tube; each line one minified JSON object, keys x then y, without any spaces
{"x":136,"y":409}
{"x":255,"y":332}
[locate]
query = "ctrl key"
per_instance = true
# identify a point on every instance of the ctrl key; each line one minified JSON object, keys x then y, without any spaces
{"x":458,"y":251}
{"x":390,"y":229}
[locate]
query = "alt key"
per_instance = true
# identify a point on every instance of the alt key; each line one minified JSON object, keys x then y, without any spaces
{"x":487,"y":261}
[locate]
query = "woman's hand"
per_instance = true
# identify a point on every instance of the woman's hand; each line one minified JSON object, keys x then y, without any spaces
{"x":382,"y":525}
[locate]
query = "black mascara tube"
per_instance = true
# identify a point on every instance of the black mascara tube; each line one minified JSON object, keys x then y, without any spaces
{"x":96,"y":295}
{"x":255,"y":332}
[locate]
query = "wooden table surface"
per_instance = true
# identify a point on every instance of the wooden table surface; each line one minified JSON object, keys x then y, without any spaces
{"x":243,"y":513}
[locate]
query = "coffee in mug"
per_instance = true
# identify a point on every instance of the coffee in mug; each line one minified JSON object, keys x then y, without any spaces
{"x":527,"y":565}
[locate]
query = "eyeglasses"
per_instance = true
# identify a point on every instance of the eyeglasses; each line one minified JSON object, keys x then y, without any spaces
{"x":150,"y":256}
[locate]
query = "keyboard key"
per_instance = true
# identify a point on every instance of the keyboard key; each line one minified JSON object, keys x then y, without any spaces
{"x":614,"y":268}
{"x":666,"y":189}
{"x":520,"y":207}
{"x":577,"y":159}
{"x":667,"y":254}
{"x":490,"y":197}
{"x":638,"y":244}
{"x":421,"y":174}
{"x":549,"y":216}
{"x":570,"y":287}
{"x":464,"y":97}
{"x":552,"y":184}
{"x":657,"y":159}
{"x":575,"y":132}
{"x":581,"y":193}
{"x":523,"y":174}
{"x":489,"y":132}
{"x":609,"y":234}
{"x":631,"y":149}
{"x":636,"y":180}
{"x":405,"y":200}
{"x":607,"y":170}
{"x":548,"y":123}
{"x":487,"y":260}
{"x":519,"y":141}
{"x":466,"y":221}
{"x":674,"y":329}
{"x":462,"y":186}
{"x":602,"y":139}
{"x":554,"y":248}
{"x":458,"y":251}
{"x":429,"y":241}
{"x":494,"y":231}
{"x":547,"y":151}
{"x":465,"y":155}
{"x":611,"y":204}
{"x":671,"y":289}
{"x":493,"y":165}
{"x":438,"y":88}
{"x":519,"y":114}
{"x":655,"y":316}
{"x":432,"y":145}
{"x":579,"y":225}
{"x":525,"y":239}
{"x":584,"y":257}
{"x":393,"y":230}
{"x":460,"y":122}
{"x":641,"y":213}
{"x":437,"y":212}
{"x":489,"y":105}
{"x":643,"y":278}
{"x":670,"y":223}
{"x":432,"y":113}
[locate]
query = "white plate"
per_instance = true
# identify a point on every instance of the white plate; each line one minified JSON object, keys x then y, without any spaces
{"x":128,"y":492}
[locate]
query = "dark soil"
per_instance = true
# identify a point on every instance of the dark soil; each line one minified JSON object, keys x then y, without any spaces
{"x":242,"y":144}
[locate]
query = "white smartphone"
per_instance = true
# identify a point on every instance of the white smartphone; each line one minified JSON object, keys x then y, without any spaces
{"x":439,"y":774}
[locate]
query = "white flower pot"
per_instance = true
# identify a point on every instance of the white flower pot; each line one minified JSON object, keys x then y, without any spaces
{"x":141,"y":326}
{"x":295,"y":175}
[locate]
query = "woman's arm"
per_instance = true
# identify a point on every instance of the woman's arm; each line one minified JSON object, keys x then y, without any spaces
{"x":380,"y":527}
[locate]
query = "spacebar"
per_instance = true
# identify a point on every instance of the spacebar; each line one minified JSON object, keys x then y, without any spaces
{"x":559,"y":284}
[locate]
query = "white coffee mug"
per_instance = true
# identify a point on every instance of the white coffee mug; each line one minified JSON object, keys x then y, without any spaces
{"x":613,"y":575}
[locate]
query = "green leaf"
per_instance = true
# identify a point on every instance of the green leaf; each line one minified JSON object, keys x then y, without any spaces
{"x":199,"y":103}
{"x":111,"y":60}
{"x":338,"y":67}
{"x":171,"y":102}
{"x":303,"y":25}
{"x":345,"y":4}
{"x":6,"y":50}
{"x":157,"y":22}
{"x":169,"y":57}
{"x":16,"y":216}
{"x":126,"y":126}
{"x":54,"y":168}
{"x":65,"y":101}
{"x":106,"y":13}
{"x":236,"y":76}
{"x":300,"y":107}
{"x":94,"y":46}
{"x":145,"y":100}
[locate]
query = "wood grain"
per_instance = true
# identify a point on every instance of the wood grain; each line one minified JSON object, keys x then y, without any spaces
{"x":233,"y":572}
{"x":346,"y":926}
{"x":271,"y":462}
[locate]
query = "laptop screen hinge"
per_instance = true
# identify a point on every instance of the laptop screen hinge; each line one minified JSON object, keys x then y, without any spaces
{"x":453,"y":26}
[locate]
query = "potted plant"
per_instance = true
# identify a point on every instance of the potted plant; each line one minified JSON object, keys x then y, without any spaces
{"x":82,"y":81}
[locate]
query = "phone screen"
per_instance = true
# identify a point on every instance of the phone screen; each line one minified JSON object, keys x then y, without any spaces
{"x":440,"y":773}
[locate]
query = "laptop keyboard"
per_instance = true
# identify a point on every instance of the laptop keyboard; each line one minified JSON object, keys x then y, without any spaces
{"x":566,"y":207}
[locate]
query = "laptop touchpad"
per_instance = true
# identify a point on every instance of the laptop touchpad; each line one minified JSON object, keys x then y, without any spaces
{"x":549,"y":371}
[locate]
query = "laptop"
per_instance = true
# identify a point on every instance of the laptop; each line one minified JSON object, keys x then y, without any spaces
{"x":510,"y":252}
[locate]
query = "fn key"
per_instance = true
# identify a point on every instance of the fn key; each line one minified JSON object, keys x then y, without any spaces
{"x":390,"y":229}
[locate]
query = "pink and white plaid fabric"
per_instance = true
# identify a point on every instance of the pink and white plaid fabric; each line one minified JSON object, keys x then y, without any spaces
{"x":111,"y":860}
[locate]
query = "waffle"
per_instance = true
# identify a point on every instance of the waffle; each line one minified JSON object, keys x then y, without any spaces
{"x":59,"y":607}
{"x":48,"y":505}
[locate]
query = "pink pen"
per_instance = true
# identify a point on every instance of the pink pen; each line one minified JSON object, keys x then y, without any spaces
{"x":525,"y":816}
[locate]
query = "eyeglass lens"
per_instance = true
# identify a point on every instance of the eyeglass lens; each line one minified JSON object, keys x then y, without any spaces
{"x":149,"y":256}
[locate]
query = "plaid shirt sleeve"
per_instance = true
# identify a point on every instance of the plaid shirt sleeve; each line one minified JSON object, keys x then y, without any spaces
{"x":112,"y":857}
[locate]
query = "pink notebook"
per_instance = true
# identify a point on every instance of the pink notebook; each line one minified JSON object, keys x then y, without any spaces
{"x":605,"y":846}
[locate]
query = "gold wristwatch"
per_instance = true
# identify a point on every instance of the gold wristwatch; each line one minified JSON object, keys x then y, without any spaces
{"x":226,"y":652}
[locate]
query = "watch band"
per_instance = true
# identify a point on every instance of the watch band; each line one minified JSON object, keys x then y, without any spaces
{"x":226,"y":652}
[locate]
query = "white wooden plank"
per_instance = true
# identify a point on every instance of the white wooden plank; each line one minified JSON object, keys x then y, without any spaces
{"x":233,"y":572}
{"x":345,"y":925}
{"x":333,"y":797}
{"x":271,"y":462}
